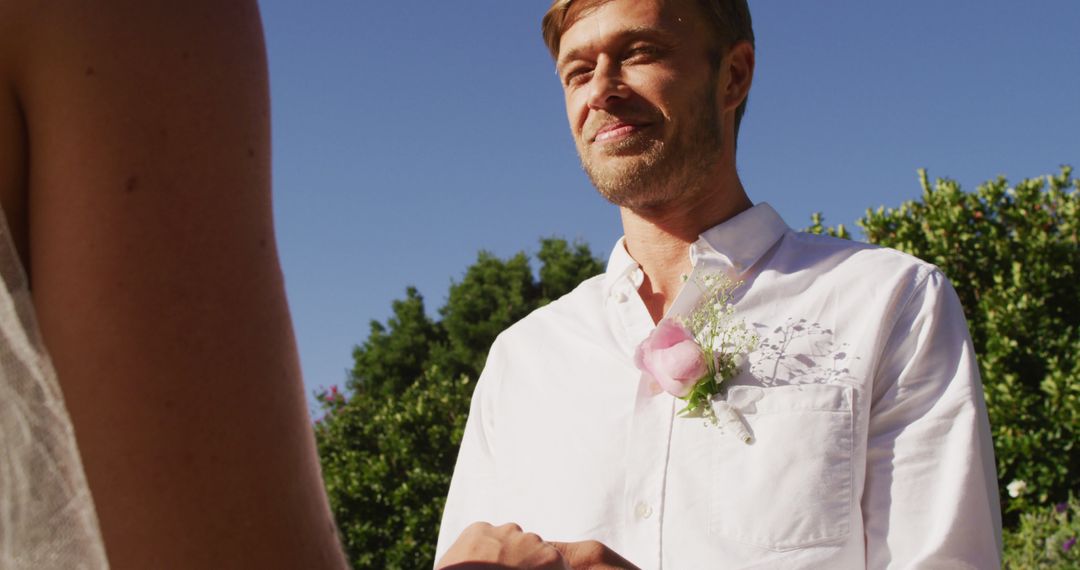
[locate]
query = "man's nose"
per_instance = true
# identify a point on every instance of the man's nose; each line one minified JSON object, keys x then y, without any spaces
{"x":607,"y":87}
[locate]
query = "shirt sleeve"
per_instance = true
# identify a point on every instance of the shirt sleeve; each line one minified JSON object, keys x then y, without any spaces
{"x":931,"y":498}
{"x":471,"y":496}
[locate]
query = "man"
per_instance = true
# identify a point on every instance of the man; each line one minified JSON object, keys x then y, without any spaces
{"x":870,"y":446}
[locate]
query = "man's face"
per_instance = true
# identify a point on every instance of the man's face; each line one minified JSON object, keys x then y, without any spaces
{"x":641,"y":96}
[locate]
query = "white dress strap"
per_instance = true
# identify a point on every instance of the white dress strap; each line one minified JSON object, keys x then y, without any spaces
{"x":47,"y":516}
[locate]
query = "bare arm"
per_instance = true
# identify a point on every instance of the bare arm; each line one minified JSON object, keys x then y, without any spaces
{"x":156,"y":280}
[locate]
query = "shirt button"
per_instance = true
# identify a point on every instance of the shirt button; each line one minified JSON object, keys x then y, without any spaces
{"x":619,"y":296}
{"x":643,"y":511}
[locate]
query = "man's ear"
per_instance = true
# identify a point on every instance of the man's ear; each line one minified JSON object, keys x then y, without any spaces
{"x":738,"y":74}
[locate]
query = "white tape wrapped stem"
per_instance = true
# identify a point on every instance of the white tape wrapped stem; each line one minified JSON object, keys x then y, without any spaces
{"x":731,"y":420}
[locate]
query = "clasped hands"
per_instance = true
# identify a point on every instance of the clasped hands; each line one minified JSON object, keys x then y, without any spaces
{"x":482,"y":546}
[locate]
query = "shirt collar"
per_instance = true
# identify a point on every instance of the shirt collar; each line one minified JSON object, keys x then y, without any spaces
{"x":741,"y":241}
{"x":620,"y":266}
{"x":737,"y":243}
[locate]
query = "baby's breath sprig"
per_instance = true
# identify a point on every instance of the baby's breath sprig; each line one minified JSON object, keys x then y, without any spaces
{"x":724,"y":340}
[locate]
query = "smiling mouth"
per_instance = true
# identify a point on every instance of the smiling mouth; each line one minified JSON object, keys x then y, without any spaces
{"x":617,"y":131}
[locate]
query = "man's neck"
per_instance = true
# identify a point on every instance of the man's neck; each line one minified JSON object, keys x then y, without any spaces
{"x":659,"y":239}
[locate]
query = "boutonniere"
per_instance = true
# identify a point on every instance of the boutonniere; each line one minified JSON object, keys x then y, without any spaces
{"x":691,"y":357}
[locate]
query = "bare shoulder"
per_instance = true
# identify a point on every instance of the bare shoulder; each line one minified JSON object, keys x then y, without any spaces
{"x":104,"y":91}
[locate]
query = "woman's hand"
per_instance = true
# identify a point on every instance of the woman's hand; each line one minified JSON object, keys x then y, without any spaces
{"x":483,"y":546}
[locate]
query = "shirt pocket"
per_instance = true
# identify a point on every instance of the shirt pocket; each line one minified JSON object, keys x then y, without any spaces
{"x":792,"y":487}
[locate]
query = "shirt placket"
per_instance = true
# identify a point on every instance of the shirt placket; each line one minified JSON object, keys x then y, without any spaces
{"x":650,"y":430}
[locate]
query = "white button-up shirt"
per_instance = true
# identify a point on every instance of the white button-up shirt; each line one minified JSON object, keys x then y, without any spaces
{"x":871,"y":445}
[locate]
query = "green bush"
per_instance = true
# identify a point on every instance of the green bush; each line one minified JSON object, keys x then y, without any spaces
{"x":387,"y":464}
{"x":1045,"y":538}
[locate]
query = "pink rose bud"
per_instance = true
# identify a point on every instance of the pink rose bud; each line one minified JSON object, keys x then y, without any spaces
{"x":672,"y":357}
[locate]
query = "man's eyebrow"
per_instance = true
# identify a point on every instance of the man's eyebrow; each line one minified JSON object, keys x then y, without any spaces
{"x":622,"y":36}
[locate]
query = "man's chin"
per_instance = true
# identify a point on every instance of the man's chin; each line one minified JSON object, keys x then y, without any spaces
{"x":627,"y":189}
{"x":625,"y":163}
{"x":638,"y":199}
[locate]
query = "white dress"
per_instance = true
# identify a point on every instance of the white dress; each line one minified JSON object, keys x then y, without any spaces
{"x":47,"y":517}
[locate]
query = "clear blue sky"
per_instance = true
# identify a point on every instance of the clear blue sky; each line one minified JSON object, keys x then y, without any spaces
{"x":408,"y":135}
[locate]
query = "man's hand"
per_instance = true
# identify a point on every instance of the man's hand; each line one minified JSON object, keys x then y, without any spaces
{"x":592,"y":555}
{"x":485,"y":547}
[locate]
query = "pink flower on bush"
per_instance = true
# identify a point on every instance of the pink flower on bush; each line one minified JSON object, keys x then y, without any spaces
{"x":672,"y":357}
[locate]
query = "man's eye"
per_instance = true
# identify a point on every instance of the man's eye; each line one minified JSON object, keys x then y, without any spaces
{"x":577,"y":75}
{"x":642,"y":52}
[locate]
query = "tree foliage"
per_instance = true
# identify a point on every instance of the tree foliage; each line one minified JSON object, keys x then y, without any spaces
{"x":388,"y":449}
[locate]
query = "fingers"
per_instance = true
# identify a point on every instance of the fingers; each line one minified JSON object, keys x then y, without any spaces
{"x":592,"y":555}
{"x":482,"y":545}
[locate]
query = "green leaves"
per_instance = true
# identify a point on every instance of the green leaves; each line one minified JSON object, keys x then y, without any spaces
{"x":387,"y":464}
{"x":1045,"y":538}
{"x":394,"y":355}
{"x":817,"y":227}
{"x":699,"y":399}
